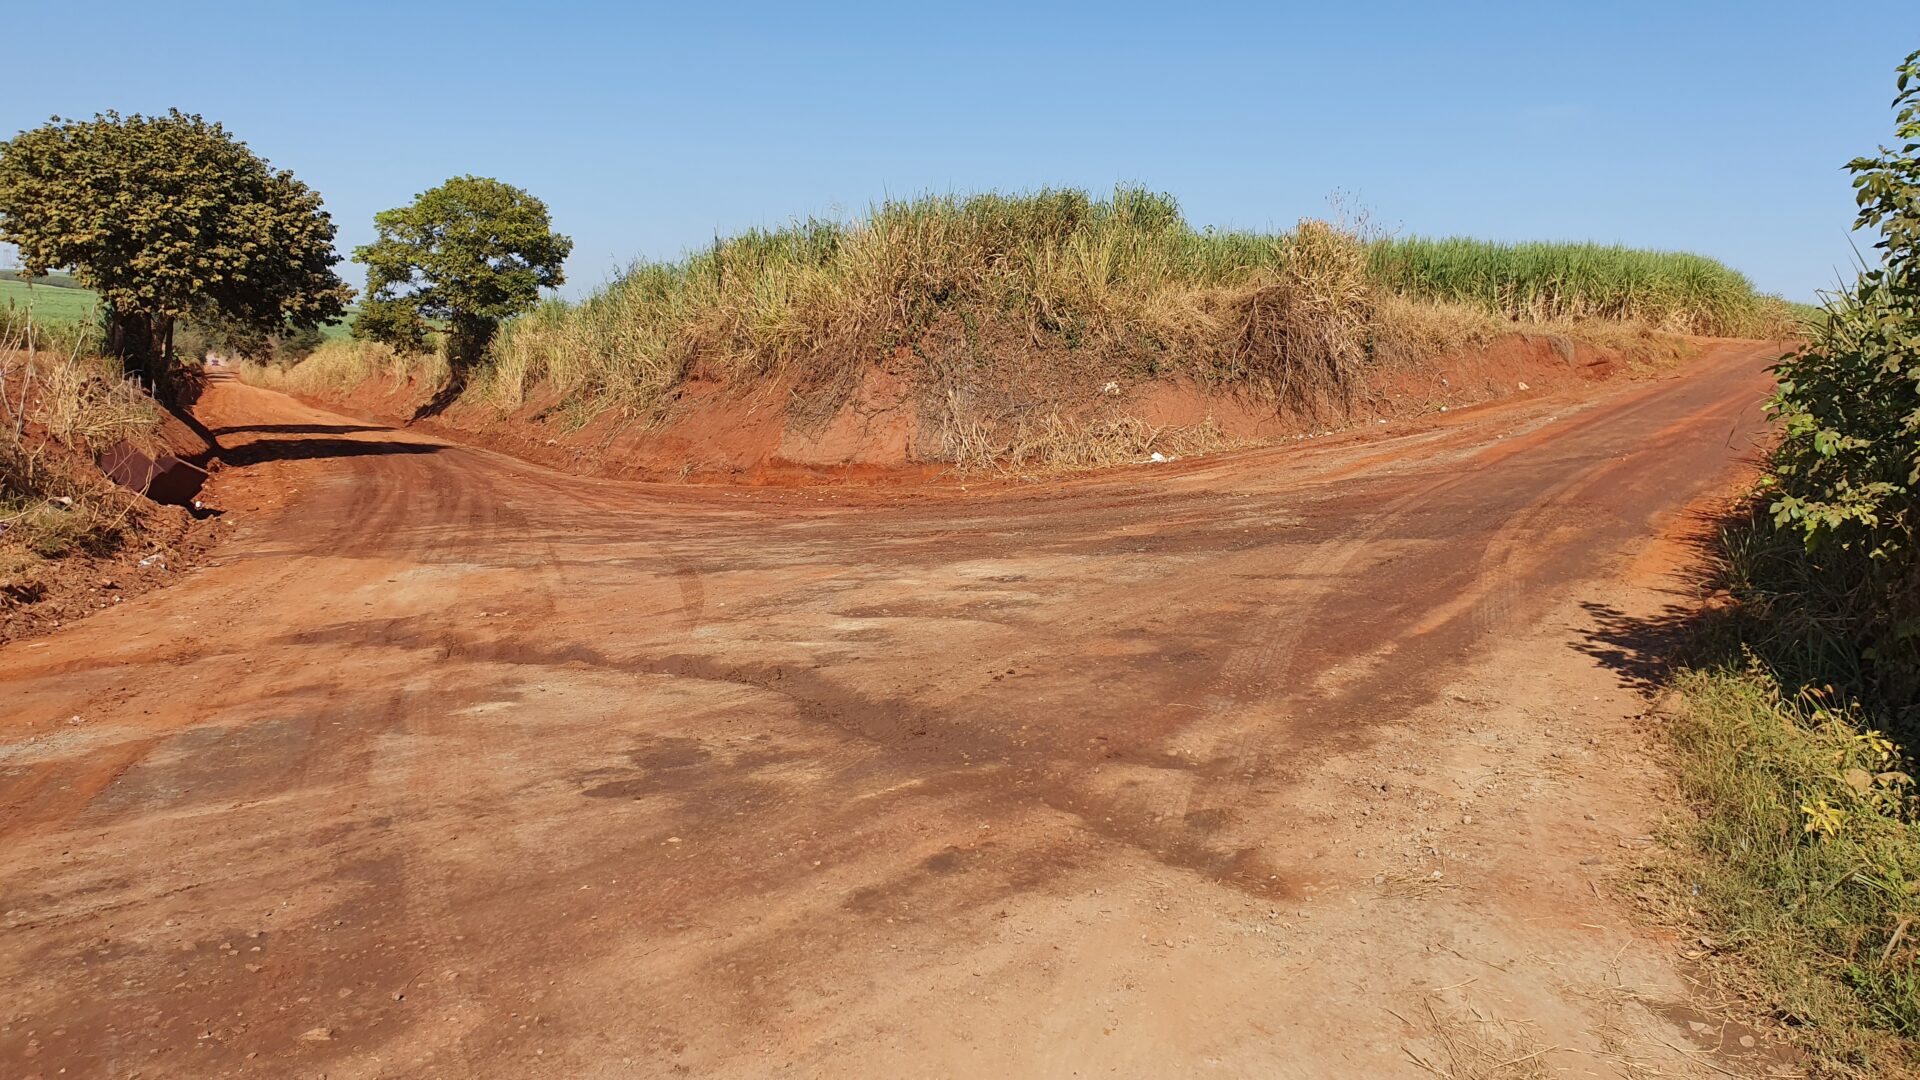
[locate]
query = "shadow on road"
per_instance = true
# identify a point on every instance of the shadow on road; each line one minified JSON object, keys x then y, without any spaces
{"x":262,"y":450}
{"x":1642,"y":650}
{"x":298,"y":429}
{"x":1646,"y":649}
{"x":439,"y":402}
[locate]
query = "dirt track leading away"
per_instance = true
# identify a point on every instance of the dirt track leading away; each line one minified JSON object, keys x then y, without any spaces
{"x":1311,"y":761}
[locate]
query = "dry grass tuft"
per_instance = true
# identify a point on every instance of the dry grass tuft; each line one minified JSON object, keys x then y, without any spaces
{"x":1056,"y":441}
{"x":55,"y":413}
{"x":1406,"y":331}
{"x":86,"y":403}
{"x":1303,"y":338}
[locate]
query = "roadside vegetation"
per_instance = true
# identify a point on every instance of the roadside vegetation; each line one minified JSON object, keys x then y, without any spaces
{"x":1013,"y":309}
{"x":1539,"y":282}
{"x":57,"y":411}
{"x":1115,"y":287}
{"x":1800,"y":717}
{"x":339,"y":367}
{"x":170,"y":237}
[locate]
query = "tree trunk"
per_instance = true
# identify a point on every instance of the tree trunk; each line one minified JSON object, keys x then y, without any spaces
{"x":467,"y":339}
{"x":144,"y":346}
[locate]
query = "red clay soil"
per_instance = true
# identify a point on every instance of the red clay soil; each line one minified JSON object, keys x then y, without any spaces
{"x":1310,"y":761}
{"x":714,"y":432}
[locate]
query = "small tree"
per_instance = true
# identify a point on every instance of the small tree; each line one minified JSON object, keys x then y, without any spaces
{"x":467,"y":255}
{"x":169,"y":217}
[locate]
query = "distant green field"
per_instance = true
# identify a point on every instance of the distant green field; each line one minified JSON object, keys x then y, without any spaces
{"x":52,"y":306}
{"x":74,"y":306}
{"x":343,"y":329}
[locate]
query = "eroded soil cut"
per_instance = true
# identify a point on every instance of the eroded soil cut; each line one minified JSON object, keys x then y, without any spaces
{"x":915,"y":418}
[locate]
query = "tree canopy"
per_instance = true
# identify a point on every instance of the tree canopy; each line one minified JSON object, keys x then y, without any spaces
{"x":169,"y":217}
{"x":467,"y":255}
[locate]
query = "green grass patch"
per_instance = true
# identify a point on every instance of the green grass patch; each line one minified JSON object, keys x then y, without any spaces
{"x":53,"y":305}
{"x":342,"y":330}
{"x":1803,"y":861}
{"x":62,"y":305}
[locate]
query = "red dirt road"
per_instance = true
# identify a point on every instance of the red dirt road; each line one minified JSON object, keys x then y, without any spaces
{"x":451,"y":765}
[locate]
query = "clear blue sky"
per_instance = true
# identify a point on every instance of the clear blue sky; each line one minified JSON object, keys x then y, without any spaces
{"x":1717,"y":128}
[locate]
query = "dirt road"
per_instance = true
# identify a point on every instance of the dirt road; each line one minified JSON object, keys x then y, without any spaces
{"x":1312,"y":761}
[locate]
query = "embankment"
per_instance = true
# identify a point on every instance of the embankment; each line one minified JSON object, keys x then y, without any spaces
{"x":892,"y":426}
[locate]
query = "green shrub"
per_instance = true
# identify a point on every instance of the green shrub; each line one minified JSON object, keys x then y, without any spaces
{"x":1848,"y":466}
{"x":1806,"y":844}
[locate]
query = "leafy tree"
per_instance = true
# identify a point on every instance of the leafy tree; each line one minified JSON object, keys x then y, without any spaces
{"x":169,"y":217}
{"x":466,"y":255}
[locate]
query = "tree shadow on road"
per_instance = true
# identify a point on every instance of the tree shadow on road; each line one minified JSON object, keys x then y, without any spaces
{"x":1643,"y":650}
{"x":298,"y":429}
{"x":442,"y":398}
{"x":1690,"y":629}
{"x":263,"y":450}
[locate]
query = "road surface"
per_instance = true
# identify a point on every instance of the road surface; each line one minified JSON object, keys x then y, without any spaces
{"x":450,"y":765}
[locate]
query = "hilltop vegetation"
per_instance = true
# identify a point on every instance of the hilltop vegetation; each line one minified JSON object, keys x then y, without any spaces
{"x":1008,"y":306}
{"x":1541,"y":282}
{"x":1124,"y":284}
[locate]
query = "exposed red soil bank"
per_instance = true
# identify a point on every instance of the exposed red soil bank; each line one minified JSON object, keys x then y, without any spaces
{"x":157,"y":542}
{"x":1275,"y":763}
{"x":882,"y":433}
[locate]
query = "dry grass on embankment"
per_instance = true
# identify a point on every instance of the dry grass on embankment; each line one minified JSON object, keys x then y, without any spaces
{"x":66,"y":531}
{"x":1022,"y":332}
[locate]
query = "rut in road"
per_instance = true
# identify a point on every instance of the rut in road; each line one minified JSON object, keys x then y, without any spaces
{"x":454,"y":765}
